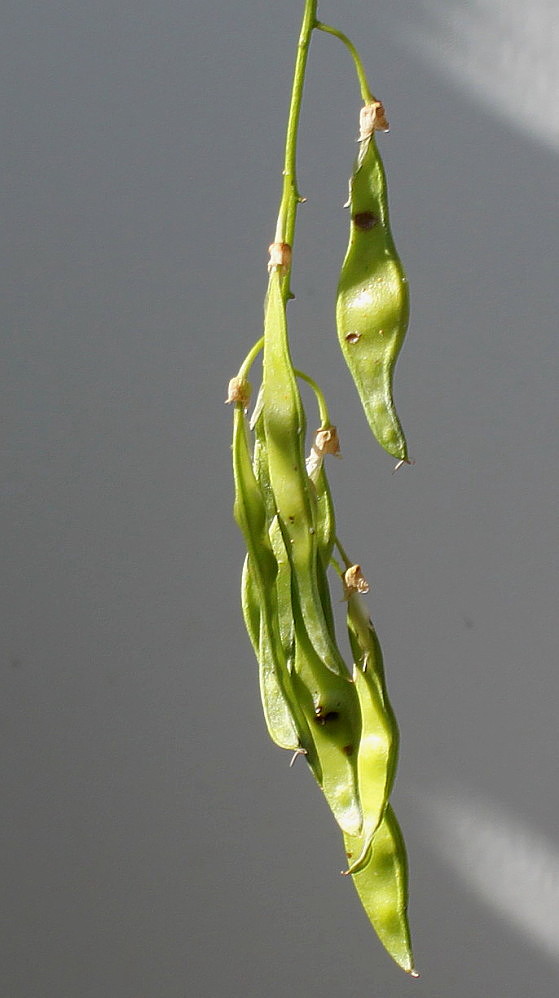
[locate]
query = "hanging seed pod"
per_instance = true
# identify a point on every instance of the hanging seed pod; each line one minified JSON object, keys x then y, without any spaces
{"x":372,"y":306}
{"x":382,"y":886}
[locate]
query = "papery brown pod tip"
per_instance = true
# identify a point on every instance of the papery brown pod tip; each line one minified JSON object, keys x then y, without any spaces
{"x":355,"y":581}
{"x":238,"y":391}
{"x":372,"y":118}
{"x":327,"y":441}
{"x":280,"y":256}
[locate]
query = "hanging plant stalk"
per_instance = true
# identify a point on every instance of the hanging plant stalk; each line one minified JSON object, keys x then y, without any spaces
{"x":339,"y":718}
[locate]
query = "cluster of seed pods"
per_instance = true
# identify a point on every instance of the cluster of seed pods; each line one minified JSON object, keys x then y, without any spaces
{"x":338,"y":718}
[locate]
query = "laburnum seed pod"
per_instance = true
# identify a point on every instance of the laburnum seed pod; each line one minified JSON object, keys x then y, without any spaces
{"x":372,"y":306}
{"x":258,"y":578}
{"x":382,"y":886}
{"x":294,"y":496}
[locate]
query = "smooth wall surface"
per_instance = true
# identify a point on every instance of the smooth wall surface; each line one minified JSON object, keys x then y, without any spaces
{"x":154,"y":843}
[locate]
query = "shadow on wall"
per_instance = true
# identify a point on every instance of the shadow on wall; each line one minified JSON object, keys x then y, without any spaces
{"x":505,"y":54}
{"x":508,"y":864}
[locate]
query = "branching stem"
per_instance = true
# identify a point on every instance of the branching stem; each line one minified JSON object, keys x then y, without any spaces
{"x":363,"y":83}
{"x":291,"y":197}
{"x":250,"y":358}
{"x":321,"y":401}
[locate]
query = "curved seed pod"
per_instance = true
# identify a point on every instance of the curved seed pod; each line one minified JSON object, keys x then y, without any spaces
{"x":284,"y":425}
{"x":286,"y":622}
{"x":329,"y":705}
{"x":325,"y":539}
{"x":335,"y":774}
{"x":366,"y":648}
{"x":262,"y":474}
{"x":326,"y":442}
{"x":250,"y":606}
{"x":382,"y":885}
{"x":325,"y":518}
{"x":286,"y":727}
{"x":330,"y":708}
{"x":260,"y":461}
{"x":372,"y":306}
{"x":378,"y":749}
{"x":258,"y":581}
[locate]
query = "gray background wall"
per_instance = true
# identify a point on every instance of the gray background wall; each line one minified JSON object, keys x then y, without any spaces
{"x":154,"y":844}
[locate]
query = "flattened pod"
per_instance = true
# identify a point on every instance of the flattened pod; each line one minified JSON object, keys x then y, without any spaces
{"x":284,"y":426}
{"x":325,"y":535}
{"x":329,"y":705}
{"x":283,"y":607}
{"x":258,"y":579}
{"x":378,"y":748}
{"x":376,"y":759}
{"x":280,"y":717}
{"x":250,"y":606}
{"x":372,"y":305}
{"x":382,"y":885}
{"x":366,"y":648}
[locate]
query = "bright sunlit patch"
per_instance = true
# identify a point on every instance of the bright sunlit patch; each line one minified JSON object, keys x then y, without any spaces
{"x":503,"y":51}
{"x":511,"y":866}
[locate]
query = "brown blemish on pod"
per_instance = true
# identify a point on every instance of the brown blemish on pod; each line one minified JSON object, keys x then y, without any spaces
{"x":365,"y":220}
{"x":353,"y":337}
{"x":348,"y":750}
{"x":323,"y":717}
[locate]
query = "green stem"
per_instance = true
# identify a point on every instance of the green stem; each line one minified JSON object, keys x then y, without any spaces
{"x":321,"y":401}
{"x":291,"y":198}
{"x":363,"y":83}
{"x":250,"y":357}
{"x":285,"y":229}
{"x":348,"y":562}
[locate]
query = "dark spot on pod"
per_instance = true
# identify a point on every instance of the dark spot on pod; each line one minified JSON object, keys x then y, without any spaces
{"x":325,"y":717}
{"x":348,"y":750}
{"x":352,"y":337}
{"x":291,"y":519}
{"x":365,"y":220}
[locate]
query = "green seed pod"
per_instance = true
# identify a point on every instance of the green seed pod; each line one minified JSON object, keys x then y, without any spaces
{"x":250,"y":606}
{"x":283,"y":607}
{"x":329,"y":705}
{"x":286,"y":726}
{"x":372,"y":306}
{"x":258,"y":580}
{"x":260,"y":460}
{"x":284,"y":425}
{"x":366,"y":648}
{"x":324,"y":515}
{"x":378,"y":747}
{"x":382,"y":885}
{"x":326,"y":442}
{"x":326,"y":521}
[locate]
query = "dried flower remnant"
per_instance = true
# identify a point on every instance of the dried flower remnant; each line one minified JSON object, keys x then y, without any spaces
{"x":238,"y":391}
{"x":355,"y":581}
